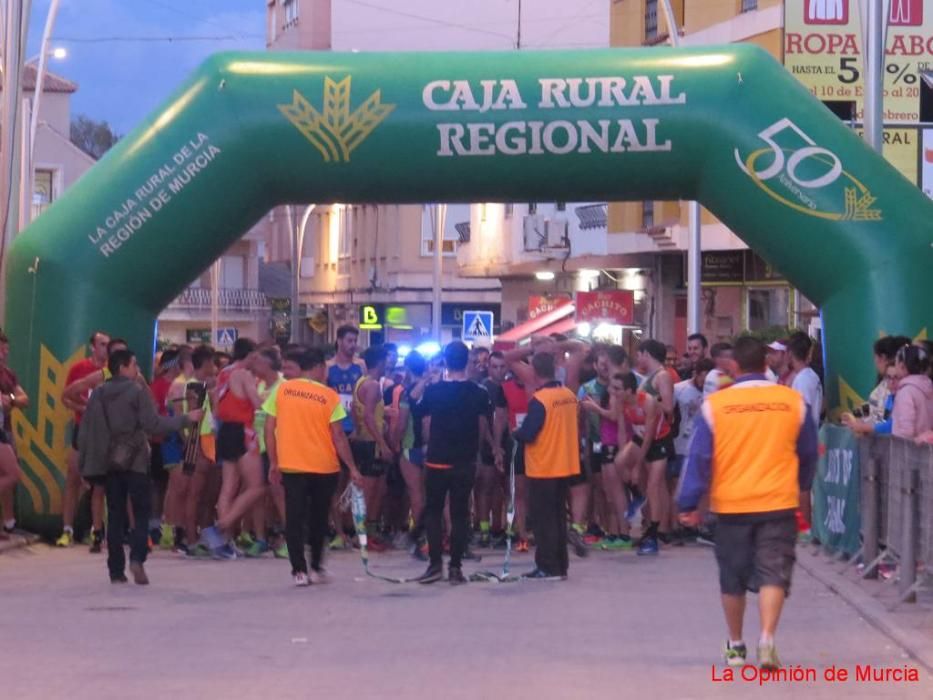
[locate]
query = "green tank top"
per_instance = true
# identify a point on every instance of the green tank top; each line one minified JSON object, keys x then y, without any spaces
{"x":360,"y":431}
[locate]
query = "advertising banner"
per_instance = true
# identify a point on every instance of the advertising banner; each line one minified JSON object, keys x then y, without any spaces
{"x":823,"y":49}
{"x":616,"y":307}
{"x":539,"y":304}
{"x":836,"y":491}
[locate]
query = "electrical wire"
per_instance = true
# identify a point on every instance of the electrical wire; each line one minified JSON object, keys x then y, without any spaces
{"x":146,"y":39}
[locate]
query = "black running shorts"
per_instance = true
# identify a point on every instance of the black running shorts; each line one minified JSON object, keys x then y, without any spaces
{"x":364,"y":454}
{"x":754,"y":552}
{"x":231,"y":442}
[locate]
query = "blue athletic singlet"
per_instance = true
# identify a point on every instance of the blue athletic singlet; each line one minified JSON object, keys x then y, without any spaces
{"x":343,"y":380}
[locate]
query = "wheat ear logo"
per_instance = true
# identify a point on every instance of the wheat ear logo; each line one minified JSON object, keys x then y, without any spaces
{"x":336,"y":132}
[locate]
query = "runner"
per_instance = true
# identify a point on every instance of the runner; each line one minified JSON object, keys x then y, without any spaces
{"x":456,"y":421}
{"x":602,"y":406}
{"x":167,"y":452}
{"x":688,"y":396}
{"x":778,"y":363}
{"x":721,"y":375}
{"x":196,"y":476}
{"x":754,"y":450}
{"x":697,"y":346}
{"x":306,"y":443}
{"x":343,"y":372}
{"x":13,"y":398}
{"x":552,"y":457}
{"x":659,"y":385}
{"x":76,"y":401}
{"x":411,"y":446}
{"x":236,"y":400}
{"x":510,"y":411}
{"x":488,"y":492}
{"x":371,"y":452}
{"x":807,"y":382}
{"x":267,"y":366}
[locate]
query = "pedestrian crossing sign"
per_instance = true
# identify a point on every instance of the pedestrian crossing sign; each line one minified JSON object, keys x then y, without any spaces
{"x":477,"y":325}
{"x":226,"y":337}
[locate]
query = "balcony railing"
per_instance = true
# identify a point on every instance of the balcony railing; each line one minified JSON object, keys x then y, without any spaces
{"x":229,"y":299}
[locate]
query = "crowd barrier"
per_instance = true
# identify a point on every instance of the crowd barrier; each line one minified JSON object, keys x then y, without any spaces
{"x":873,"y":504}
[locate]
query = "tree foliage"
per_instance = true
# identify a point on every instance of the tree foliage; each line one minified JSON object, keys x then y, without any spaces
{"x":93,"y":137}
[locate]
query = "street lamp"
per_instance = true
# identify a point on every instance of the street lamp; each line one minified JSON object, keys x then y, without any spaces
{"x":59,"y":53}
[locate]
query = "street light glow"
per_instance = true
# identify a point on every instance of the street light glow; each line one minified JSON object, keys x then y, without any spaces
{"x":60,"y":53}
{"x":544,"y":275}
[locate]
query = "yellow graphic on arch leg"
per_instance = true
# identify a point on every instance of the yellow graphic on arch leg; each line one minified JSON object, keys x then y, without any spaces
{"x":42,"y":447}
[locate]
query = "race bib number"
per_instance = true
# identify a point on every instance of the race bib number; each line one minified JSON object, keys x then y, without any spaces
{"x":346,"y":400}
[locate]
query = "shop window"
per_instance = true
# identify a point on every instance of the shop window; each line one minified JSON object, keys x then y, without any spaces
{"x":768,"y":307}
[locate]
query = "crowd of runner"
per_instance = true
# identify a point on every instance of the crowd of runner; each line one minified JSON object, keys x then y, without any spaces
{"x":428,"y":431}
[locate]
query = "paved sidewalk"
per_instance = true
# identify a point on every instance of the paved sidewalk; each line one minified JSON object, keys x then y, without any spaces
{"x":621,"y":627}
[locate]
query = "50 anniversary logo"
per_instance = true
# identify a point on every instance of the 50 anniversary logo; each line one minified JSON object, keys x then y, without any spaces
{"x":789,"y":177}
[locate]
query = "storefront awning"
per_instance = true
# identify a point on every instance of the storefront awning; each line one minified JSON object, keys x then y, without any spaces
{"x":560,"y":320}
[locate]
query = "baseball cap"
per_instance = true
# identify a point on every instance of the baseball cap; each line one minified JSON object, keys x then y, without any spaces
{"x":777,"y":345}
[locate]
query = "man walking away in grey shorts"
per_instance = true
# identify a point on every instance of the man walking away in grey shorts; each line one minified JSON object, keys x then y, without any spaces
{"x":754,"y":450}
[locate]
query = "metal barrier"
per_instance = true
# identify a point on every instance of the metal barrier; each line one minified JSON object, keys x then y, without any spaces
{"x":897,"y":510}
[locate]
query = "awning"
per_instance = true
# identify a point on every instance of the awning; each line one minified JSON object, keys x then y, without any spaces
{"x":560,"y":320}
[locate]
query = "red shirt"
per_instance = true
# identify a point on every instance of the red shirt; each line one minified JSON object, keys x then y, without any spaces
{"x":79,"y":370}
{"x":8,"y":384}
{"x":160,"y":388}
{"x":516,"y":401}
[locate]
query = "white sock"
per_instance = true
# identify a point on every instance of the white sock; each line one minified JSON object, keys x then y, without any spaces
{"x":733,"y":643}
{"x":765,"y":639}
{"x":69,"y":529}
{"x":9,"y":524}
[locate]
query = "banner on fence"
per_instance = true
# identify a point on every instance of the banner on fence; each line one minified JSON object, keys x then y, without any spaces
{"x":836,"y":491}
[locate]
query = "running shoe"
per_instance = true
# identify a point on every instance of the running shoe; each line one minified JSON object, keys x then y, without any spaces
{"x":539,"y":575}
{"x":767,"y":657}
{"x":804,"y":537}
{"x":281,"y":552}
{"x":320,"y":575}
{"x":338,"y":542}
{"x":301,"y":580}
{"x":258,"y":549}
{"x":66,"y":540}
{"x":224,"y":553}
{"x":734,"y":655}
{"x":431,"y":575}
{"x":455,"y":576}
{"x":417,"y":553}
{"x":97,"y":542}
{"x":199,"y":551}
{"x":181,"y":548}
{"x":167,"y":539}
{"x":616,"y":542}
{"x":376,"y":544}
{"x":522,"y":545}
{"x":593,"y":540}
{"x":245,"y":541}
{"x":213,"y":537}
{"x":705,"y":537}
{"x":575,"y":538}
{"x":648,"y":547}
{"x":119,"y":579}
{"x":634,"y":507}
{"x":596,"y":531}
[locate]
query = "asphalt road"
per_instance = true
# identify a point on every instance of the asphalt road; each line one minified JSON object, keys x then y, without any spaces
{"x":620,"y":627}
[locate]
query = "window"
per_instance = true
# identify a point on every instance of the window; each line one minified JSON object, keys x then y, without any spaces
{"x":451,"y":235}
{"x":768,"y":307}
{"x":291,"y":12}
{"x":233,"y":272}
{"x":651,"y":20}
{"x":647,"y":214}
{"x":42,"y":192}
{"x":562,"y":206}
{"x":344,"y":232}
{"x":532,"y":207}
{"x":271,"y":23}
{"x":749,"y":5}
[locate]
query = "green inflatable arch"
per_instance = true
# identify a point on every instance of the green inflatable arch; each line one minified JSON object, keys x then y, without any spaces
{"x":724,"y":125}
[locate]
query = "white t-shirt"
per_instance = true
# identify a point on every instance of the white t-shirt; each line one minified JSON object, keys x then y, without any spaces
{"x":689,"y":399}
{"x":711,"y":385}
{"x":807,"y":382}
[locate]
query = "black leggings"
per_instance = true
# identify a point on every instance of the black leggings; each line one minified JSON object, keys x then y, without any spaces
{"x":307,"y":505}
{"x":457,"y":481}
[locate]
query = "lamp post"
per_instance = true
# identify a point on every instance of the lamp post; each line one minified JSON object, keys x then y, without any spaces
{"x":298,"y":242}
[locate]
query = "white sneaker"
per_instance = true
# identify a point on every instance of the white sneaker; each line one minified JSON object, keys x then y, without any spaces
{"x":320,"y":575}
{"x":301,"y":579}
